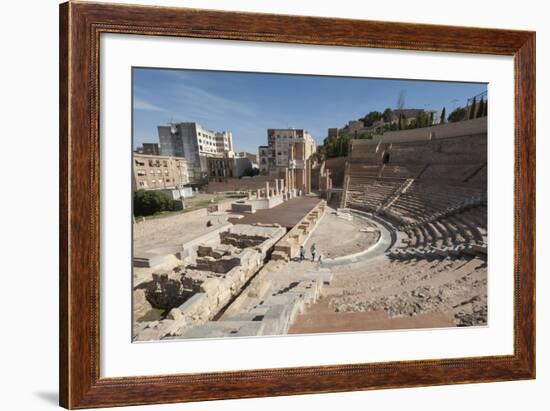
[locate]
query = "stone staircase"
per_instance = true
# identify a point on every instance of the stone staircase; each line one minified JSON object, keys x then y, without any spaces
{"x":343,"y":198}
{"x":393,"y":198}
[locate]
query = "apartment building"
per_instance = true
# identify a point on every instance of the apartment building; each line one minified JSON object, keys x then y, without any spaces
{"x":288,"y":151}
{"x":153,"y":172}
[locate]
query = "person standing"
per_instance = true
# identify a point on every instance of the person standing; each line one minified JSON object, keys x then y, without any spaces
{"x":302,"y":253}
{"x":313,"y":252}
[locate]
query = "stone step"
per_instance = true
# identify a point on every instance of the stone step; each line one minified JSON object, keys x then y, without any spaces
{"x":220,"y":329}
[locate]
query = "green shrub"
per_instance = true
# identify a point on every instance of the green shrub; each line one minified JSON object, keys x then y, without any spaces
{"x":152,"y":202}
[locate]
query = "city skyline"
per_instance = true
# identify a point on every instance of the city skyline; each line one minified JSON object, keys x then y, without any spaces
{"x":247,"y":104}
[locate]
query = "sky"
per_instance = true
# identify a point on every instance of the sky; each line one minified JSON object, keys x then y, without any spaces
{"x":248,"y":104}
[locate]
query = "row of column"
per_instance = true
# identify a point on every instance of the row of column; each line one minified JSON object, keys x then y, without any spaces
{"x":284,"y":186}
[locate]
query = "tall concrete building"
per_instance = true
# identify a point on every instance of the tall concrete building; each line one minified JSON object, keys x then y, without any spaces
{"x":152,"y":149}
{"x":195,"y":143}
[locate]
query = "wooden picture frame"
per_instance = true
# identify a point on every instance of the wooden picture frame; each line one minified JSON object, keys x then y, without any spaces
{"x":80,"y":27}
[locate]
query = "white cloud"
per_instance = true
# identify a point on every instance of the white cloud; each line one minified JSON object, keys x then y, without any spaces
{"x":140,"y":104}
{"x":209,"y":103}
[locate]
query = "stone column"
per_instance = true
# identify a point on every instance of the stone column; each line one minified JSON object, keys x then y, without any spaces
{"x":267,"y":189}
{"x":257,"y":193}
{"x":287,"y":182}
{"x":308,"y":181}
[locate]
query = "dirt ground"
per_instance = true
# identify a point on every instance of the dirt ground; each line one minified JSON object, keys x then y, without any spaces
{"x":384,"y":294}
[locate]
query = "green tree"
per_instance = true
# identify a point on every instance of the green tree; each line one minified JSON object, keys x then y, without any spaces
{"x":443,"y":115}
{"x":481,"y":108}
{"x":387,"y":115}
{"x":422,"y":120}
{"x":458,"y":114}
{"x":371,"y":117}
{"x":473,"y":109}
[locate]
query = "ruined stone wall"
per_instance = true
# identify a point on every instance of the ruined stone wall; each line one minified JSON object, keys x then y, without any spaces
{"x":336,"y":166}
{"x":289,"y":245}
{"x":195,"y":294}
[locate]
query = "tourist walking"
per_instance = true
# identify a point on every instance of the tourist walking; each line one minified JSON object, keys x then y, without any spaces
{"x":320,"y":259}
{"x":302,"y":253}
{"x":313,"y":251}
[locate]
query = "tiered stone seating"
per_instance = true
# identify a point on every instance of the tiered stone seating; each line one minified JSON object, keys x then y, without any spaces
{"x":449,"y":172}
{"x":401,"y":171}
{"x":363,"y":170}
{"x":480,"y":178}
{"x":423,"y":199}
{"x":367,"y":193}
{"x":455,"y":234}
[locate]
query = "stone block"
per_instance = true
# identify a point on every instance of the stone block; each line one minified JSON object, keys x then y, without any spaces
{"x":194,"y":305}
{"x":140,"y":304}
{"x":175,"y":314}
{"x":210,"y":286}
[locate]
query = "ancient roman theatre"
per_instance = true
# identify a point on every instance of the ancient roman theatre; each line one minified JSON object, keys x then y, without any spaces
{"x":399,"y":230}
